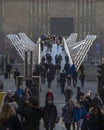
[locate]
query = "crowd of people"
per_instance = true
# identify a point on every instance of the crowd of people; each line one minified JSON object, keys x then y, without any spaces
{"x":22,"y":110}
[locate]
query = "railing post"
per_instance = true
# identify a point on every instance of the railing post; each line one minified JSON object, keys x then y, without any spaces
{"x":25,"y":64}
{"x":31,"y":61}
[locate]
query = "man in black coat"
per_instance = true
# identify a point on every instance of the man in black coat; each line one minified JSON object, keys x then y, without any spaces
{"x":8,"y":69}
{"x":50,"y":77}
{"x":43,"y":72}
{"x":32,"y":114}
{"x":29,"y":82}
{"x":62,"y":81}
{"x":68,"y":94}
{"x":16,"y":73}
{"x":49,"y":114}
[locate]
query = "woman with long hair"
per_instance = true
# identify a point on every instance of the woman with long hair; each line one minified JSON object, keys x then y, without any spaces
{"x":94,"y":121}
{"x":8,"y":118}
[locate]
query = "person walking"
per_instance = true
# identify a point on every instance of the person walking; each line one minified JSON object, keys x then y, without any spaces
{"x":79,"y":93}
{"x":62,"y":81}
{"x":68,"y":94}
{"x":68,"y":114}
{"x":8,"y":69}
{"x":74,"y":75}
{"x":69,"y":77}
{"x":29,"y":82}
{"x":43,"y":73}
{"x":79,"y":114}
{"x":31,"y":113}
{"x":94,"y":120}
{"x":82,"y":78}
{"x":49,"y":114}
{"x":16,"y":73}
{"x":8,"y":118}
{"x":49,"y":78}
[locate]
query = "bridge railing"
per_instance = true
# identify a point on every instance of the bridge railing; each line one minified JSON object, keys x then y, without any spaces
{"x":22,"y":43}
{"x":77,"y":51}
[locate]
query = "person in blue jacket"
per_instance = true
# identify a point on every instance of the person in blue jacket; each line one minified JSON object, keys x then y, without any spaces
{"x":79,"y":114}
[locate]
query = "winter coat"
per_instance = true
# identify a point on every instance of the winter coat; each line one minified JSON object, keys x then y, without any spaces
{"x":93,"y":123}
{"x":32,"y":117}
{"x":67,"y":67}
{"x":62,"y":79}
{"x":43,"y":71}
{"x":8,"y":68}
{"x":49,"y":115}
{"x":87,"y":103}
{"x":16,"y":73}
{"x":68,"y":94}
{"x":68,"y":114}
{"x":79,"y":93}
{"x":50,"y":76}
{"x":79,"y":113}
{"x":97,"y":101}
{"x":20,"y":92}
{"x":12,"y":123}
{"x":29,"y":83}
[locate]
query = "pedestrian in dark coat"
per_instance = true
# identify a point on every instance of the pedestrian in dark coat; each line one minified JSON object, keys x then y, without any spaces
{"x":56,"y":59}
{"x":43,"y":73}
{"x":62,"y":81}
{"x":60,"y":58}
{"x":32,"y":114}
{"x":29,"y":82}
{"x":8,"y":69}
{"x":8,"y":118}
{"x":67,"y":67}
{"x":68,"y":94}
{"x":79,"y":93}
{"x":49,"y":58}
{"x":49,"y":114}
{"x":66,"y":58}
{"x":68,"y":76}
{"x":87,"y":101}
{"x":82,"y":78}
{"x":68,"y":114}
{"x":74,"y":75}
{"x":49,"y":78}
{"x":94,"y":121}
{"x":97,"y":101}
{"x":43,"y":59}
{"x":16,"y":73}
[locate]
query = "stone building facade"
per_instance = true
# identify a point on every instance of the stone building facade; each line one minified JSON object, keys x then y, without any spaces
{"x":34,"y":16}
